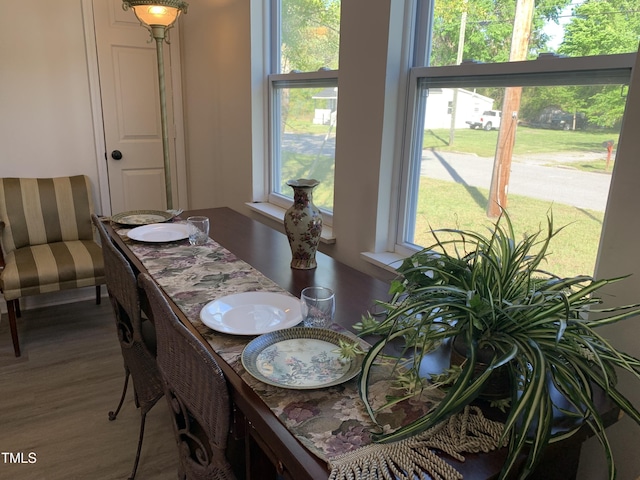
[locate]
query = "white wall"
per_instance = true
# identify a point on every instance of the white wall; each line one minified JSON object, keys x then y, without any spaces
{"x":216,"y":60}
{"x":45,"y":112}
{"x":46,"y":125}
{"x":366,"y":125}
{"x":619,"y":256}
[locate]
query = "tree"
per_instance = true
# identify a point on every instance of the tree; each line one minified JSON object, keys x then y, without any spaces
{"x":489,"y":27}
{"x":601,"y":28}
{"x":597,"y":27}
{"x":310,"y":38}
{"x":310,"y":34}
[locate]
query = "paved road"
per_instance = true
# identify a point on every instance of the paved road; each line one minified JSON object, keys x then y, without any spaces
{"x":309,"y":144}
{"x":532,"y":177}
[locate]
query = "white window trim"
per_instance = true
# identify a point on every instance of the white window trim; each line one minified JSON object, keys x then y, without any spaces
{"x":266,"y":202}
{"x":416,"y":25}
{"x":389,"y":261}
{"x":305,"y":78}
{"x":543,"y":71}
{"x":274,"y":212}
{"x":504,"y":74}
{"x":321,"y":78}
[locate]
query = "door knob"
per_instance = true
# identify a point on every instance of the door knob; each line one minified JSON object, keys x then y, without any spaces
{"x":116,"y":154}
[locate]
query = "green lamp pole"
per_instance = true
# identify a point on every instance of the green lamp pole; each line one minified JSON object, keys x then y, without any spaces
{"x":158,"y":17}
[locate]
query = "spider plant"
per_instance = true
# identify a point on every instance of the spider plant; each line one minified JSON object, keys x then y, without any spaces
{"x":491,"y":290}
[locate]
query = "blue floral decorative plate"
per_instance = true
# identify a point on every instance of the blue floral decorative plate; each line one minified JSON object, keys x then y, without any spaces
{"x":136,"y":218}
{"x":300,"y":358}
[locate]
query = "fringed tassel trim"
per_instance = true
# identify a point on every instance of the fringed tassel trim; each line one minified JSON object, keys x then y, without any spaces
{"x":466,"y":432}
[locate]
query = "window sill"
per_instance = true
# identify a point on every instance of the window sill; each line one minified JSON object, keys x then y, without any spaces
{"x":276,"y":213}
{"x":386,"y":260}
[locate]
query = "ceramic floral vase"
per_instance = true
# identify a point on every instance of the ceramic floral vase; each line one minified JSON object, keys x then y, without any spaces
{"x":303,"y":224}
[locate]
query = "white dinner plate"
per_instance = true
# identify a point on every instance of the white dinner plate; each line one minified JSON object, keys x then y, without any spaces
{"x":300,"y":358}
{"x":159,"y":232}
{"x":251,"y":313}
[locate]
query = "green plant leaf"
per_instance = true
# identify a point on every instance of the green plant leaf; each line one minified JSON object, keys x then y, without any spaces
{"x":490,"y":289}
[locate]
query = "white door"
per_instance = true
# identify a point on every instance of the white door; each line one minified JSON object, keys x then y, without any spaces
{"x":129,"y":88}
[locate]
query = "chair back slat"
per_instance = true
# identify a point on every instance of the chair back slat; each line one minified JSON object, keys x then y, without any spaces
{"x":136,"y":336}
{"x":121,"y":280}
{"x":37,"y":211}
{"x":196,"y":390}
{"x":137,"y":349}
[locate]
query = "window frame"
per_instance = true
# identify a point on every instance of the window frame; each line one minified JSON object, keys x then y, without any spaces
{"x":545,"y":70}
{"x":276,"y":202}
{"x":319,"y":79}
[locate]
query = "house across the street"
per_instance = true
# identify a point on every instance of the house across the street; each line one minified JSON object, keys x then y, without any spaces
{"x":440,"y":107}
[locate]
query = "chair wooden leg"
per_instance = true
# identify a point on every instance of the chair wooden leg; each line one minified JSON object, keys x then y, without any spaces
{"x":17,"y":304}
{"x":98,"y":295}
{"x":11,"y":310}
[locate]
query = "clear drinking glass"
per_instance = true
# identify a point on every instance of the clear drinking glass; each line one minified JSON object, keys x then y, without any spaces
{"x":198,"y":230}
{"x":318,"y":306}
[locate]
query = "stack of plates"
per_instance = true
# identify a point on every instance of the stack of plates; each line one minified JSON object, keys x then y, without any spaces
{"x":150,"y":226}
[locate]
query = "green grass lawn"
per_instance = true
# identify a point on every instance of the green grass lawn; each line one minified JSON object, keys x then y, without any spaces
{"x":596,"y":166}
{"x":528,"y":140}
{"x":451,"y":205}
{"x":320,"y":167}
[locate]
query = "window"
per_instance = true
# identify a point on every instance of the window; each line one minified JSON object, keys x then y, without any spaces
{"x":529,"y":127}
{"x":303,"y":99}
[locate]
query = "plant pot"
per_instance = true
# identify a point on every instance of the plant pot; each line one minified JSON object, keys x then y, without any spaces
{"x":498,"y":385}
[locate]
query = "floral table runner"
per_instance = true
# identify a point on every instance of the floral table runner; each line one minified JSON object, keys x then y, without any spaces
{"x":331,"y":422}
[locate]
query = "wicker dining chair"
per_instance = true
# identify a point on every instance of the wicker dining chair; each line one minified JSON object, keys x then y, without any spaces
{"x":196,"y":390}
{"x":137,"y":337}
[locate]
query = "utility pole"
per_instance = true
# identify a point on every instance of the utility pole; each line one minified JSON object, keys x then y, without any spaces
{"x":498,"y":193}
{"x":454,"y":101}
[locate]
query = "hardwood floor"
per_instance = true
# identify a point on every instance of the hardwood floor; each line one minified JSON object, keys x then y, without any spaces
{"x":54,"y":402}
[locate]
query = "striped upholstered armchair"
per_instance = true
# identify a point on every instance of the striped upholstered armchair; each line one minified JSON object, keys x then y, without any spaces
{"x":47,"y":240}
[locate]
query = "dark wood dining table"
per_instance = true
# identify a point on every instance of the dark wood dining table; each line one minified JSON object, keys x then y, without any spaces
{"x":269,"y":446}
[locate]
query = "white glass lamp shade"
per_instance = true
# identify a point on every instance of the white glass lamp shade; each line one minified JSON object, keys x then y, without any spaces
{"x":158,"y":13}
